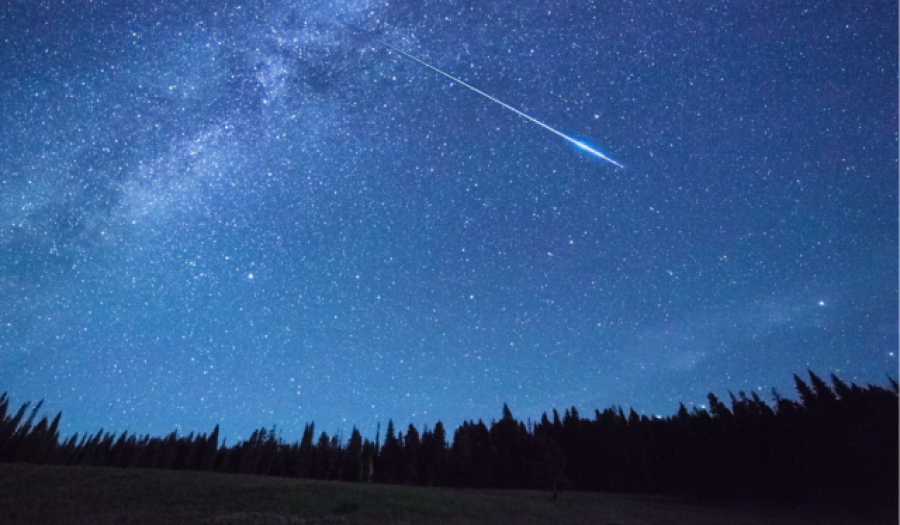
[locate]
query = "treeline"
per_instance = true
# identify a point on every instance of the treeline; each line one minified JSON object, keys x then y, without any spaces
{"x":836,"y":442}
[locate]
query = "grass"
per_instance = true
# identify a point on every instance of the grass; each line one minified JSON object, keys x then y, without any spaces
{"x":31,"y":494}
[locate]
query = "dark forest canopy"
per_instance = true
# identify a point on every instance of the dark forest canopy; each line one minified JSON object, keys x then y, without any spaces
{"x":836,"y":442}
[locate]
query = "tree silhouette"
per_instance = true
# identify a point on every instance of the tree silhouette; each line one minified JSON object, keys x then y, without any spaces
{"x":352,"y":469}
{"x":411,"y":453}
{"x":838,"y":443}
{"x":388,"y":464}
{"x":548,"y":464}
{"x":433,"y":459}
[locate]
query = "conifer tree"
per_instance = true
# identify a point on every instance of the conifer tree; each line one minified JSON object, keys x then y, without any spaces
{"x":4,"y":406}
{"x":51,"y":440}
{"x":460,"y":464}
{"x":482,"y":456}
{"x":270,"y":463}
{"x":718,"y":409}
{"x":368,"y":461}
{"x":807,"y":397}
{"x":434,"y":456}
{"x":387,"y":466}
{"x":305,"y":452}
{"x":117,"y":456}
{"x":8,"y":430}
{"x":352,"y":469}
{"x":841,"y":389}
{"x":210,"y":451}
{"x":824,"y":395}
{"x":507,"y":451}
{"x":411,"y":453}
{"x":321,"y":457}
{"x":548,"y":464}
{"x":193,"y":456}
{"x":334,"y":458}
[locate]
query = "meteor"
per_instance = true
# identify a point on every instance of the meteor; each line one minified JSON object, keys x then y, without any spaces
{"x":579,"y":144}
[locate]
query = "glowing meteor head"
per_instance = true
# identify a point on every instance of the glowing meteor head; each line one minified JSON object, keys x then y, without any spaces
{"x":594,"y":151}
{"x":585,"y":147}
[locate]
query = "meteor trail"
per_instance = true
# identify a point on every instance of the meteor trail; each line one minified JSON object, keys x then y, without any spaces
{"x":580,"y":144}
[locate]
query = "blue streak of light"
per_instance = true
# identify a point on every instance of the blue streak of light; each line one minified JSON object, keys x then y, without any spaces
{"x":581,"y":145}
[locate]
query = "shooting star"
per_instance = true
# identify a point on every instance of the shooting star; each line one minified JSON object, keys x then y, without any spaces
{"x":577,"y":143}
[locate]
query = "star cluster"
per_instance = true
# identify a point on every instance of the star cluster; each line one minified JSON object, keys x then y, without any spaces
{"x":245,"y":213}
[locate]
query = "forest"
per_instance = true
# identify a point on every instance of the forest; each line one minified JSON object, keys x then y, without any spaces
{"x":836,"y":442}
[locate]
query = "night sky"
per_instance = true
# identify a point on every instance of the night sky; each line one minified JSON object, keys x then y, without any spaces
{"x":247,"y":213}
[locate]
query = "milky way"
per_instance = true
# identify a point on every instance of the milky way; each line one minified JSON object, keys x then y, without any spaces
{"x":246,"y":214}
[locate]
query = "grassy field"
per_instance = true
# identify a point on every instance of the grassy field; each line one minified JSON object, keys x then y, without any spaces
{"x":43,"y":494}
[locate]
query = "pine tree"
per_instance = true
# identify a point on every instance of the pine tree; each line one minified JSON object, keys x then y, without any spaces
{"x":482,"y":455}
{"x":270,"y":463}
{"x":718,"y":409}
{"x":194,"y":455}
{"x":824,"y":395}
{"x":8,"y":430}
{"x":4,"y":406}
{"x":321,"y":457}
{"x":210,"y":451}
{"x":118,"y":454}
{"x":411,"y":452}
{"x":368,"y":461}
{"x":461,"y":458}
{"x":51,"y":440}
{"x":334,"y":458}
{"x":841,"y":389}
{"x":507,"y":454}
{"x":807,"y":397}
{"x":14,"y":434}
{"x":387,"y":469}
{"x":548,"y":464}
{"x":434,"y":456}
{"x":352,"y":469}
{"x":305,"y":452}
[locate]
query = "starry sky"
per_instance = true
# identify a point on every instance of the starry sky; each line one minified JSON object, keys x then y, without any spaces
{"x":247,"y":213}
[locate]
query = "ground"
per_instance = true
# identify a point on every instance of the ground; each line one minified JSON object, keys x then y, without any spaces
{"x":32,"y":494}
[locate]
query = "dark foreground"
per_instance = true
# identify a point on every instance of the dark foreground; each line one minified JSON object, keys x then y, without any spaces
{"x":32,"y":494}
